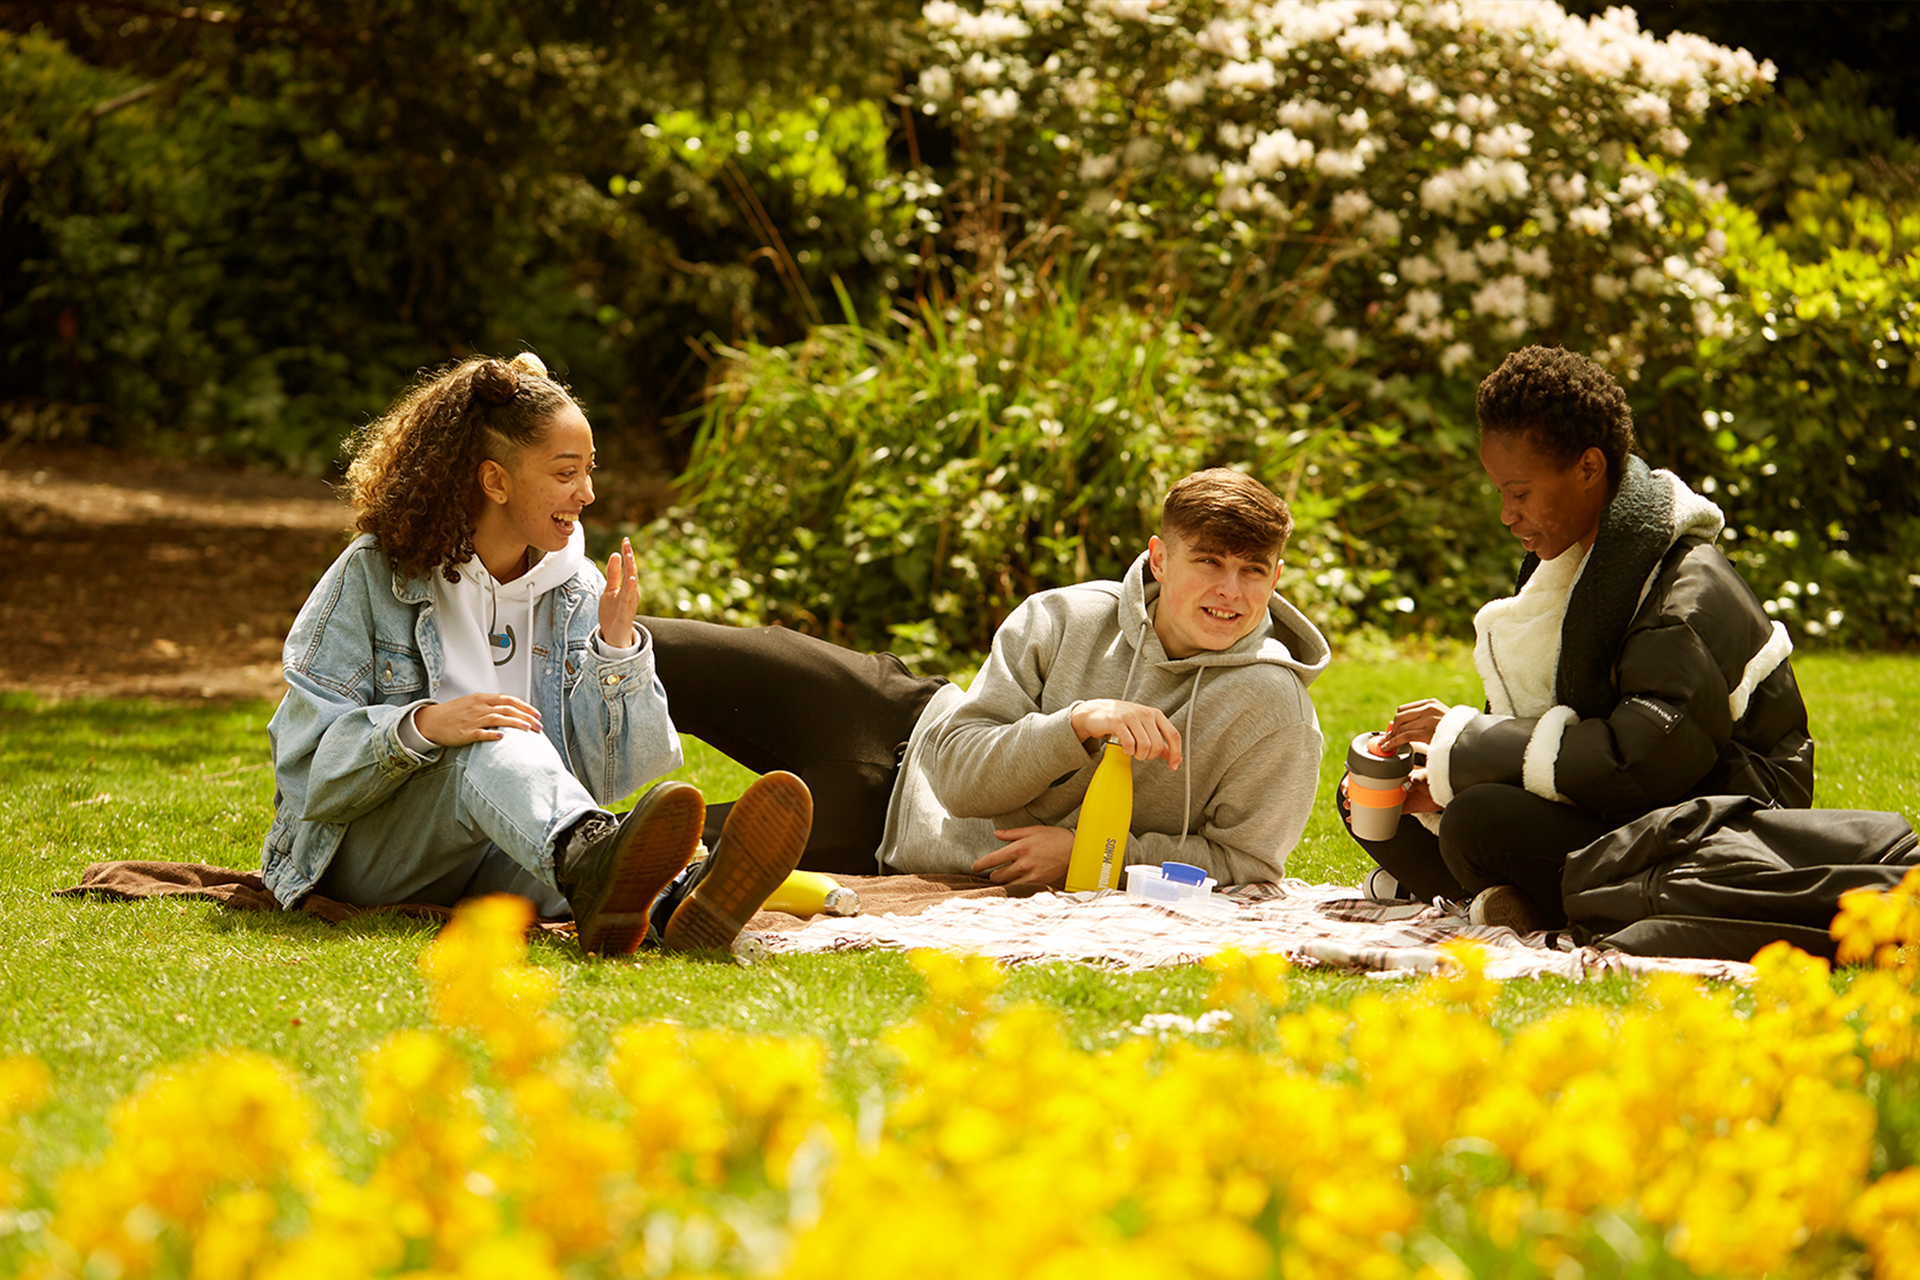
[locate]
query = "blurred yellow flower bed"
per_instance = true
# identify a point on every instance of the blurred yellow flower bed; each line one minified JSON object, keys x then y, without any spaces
{"x":1702,"y":1131}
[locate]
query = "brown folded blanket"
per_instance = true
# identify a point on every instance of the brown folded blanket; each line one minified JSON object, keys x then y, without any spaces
{"x":245,"y":891}
{"x":241,"y":890}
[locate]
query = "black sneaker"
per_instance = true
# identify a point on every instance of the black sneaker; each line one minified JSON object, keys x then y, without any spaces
{"x":612,"y":871}
{"x":759,"y":847}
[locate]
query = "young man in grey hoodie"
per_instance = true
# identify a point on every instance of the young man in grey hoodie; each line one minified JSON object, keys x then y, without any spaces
{"x":1193,"y":662}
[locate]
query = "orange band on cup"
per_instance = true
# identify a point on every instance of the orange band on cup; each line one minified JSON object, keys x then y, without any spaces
{"x":1368,"y":798}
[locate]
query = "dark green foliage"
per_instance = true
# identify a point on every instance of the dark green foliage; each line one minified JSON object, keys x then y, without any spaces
{"x":1800,"y":417}
{"x":1807,"y":412}
{"x":243,"y":230}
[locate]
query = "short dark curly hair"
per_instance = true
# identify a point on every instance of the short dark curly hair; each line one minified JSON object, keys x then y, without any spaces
{"x":1562,"y":401}
{"x":414,"y":478}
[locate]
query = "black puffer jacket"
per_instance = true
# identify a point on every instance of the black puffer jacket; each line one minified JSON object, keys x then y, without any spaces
{"x":1669,"y":679}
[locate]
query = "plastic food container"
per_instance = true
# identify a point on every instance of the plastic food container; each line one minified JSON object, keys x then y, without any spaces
{"x":1175,"y":882}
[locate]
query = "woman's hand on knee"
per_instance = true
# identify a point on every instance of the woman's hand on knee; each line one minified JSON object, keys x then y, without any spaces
{"x":477,"y":717}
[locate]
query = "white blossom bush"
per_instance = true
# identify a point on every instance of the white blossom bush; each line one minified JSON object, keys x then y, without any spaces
{"x":1413,"y":186}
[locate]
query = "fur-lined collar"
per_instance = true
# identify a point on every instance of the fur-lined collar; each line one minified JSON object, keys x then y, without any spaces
{"x":1652,"y":511}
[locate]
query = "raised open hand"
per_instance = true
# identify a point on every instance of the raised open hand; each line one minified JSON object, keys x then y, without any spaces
{"x":620,"y":602}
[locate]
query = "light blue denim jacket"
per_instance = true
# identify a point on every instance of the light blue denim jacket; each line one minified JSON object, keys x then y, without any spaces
{"x":366,"y":650}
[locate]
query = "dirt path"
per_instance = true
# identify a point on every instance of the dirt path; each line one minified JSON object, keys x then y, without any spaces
{"x":124,"y":577}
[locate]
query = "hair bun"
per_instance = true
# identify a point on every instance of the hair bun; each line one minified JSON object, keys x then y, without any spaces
{"x":496,"y":381}
{"x":528,"y":363}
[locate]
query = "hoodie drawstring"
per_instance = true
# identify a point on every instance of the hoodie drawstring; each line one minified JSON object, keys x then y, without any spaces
{"x":1139,"y":647}
{"x":1186,"y":734}
{"x":1186,"y":739}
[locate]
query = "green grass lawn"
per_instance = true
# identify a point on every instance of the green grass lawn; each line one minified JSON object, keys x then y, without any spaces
{"x":103,"y":992}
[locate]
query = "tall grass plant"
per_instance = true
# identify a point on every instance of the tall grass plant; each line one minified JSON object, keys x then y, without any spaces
{"x":906,"y":484}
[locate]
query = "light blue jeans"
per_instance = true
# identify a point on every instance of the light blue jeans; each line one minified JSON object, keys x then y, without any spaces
{"x":481,"y":819}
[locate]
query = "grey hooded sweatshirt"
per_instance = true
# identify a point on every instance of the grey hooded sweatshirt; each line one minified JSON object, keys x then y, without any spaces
{"x":1003,"y":753}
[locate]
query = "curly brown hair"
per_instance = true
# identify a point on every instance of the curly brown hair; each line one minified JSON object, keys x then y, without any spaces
{"x":414,"y":478}
{"x":1563,"y":402}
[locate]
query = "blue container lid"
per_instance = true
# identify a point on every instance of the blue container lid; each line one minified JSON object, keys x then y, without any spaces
{"x":1183,"y":873}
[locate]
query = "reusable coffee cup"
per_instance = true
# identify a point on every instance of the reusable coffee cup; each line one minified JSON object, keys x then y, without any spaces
{"x":1376,"y":788}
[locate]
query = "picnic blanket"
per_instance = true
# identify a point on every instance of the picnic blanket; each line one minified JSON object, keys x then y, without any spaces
{"x":1319,"y":925}
{"x":1327,"y":926}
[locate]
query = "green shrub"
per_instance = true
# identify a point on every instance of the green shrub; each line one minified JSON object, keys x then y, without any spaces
{"x":131,"y":293}
{"x":1805,"y":411}
{"x":1360,"y":217}
{"x":734,"y":226}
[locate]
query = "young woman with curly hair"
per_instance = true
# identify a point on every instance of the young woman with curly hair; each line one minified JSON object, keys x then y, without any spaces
{"x":1631,"y":670}
{"x":466,"y":692}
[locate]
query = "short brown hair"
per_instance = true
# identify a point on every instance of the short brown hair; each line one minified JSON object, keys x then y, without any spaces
{"x":1226,"y":510}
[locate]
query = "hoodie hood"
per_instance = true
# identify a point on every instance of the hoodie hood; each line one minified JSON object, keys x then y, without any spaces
{"x":548,"y":572}
{"x":480,"y":606}
{"x":1286,"y":639}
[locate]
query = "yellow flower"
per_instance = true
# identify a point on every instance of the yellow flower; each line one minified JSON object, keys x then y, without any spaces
{"x":1890,"y":1013}
{"x":1886,"y":1218}
{"x":240,"y":1235}
{"x":430,"y":1182}
{"x":1463,"y":979}
{"x":479,"y":981}
{"x":1256,"y":981}
{"x":225,"y":1133}
{"x":23,"y":1083}
{"x":1883,"y":928}
{"x":1699,"y":1128}
{"x":712,"y":1108}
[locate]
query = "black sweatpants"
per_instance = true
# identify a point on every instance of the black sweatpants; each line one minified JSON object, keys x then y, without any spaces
{"x":772,"y":698}
{"x":1491,"y":834}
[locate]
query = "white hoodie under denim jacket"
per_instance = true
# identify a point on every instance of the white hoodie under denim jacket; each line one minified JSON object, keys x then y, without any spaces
{"x":366,"y":650}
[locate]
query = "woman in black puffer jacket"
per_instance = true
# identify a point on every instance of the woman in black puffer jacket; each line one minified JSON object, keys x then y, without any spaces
{"x":1631,"y":670}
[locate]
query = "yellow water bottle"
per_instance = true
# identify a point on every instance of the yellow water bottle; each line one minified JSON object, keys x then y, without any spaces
{"x":1100,"y":841}
{"x":809,"y":893}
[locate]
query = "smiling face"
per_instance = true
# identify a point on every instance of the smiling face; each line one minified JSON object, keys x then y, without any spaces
{"x":1209,"y":599}
{"x":1548,"y":505}
{"x":536,"y":500}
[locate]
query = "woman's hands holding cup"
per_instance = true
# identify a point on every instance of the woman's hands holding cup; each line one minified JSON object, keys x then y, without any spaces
{"x":1419,"y":794}
{"x":1413,"y":724}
